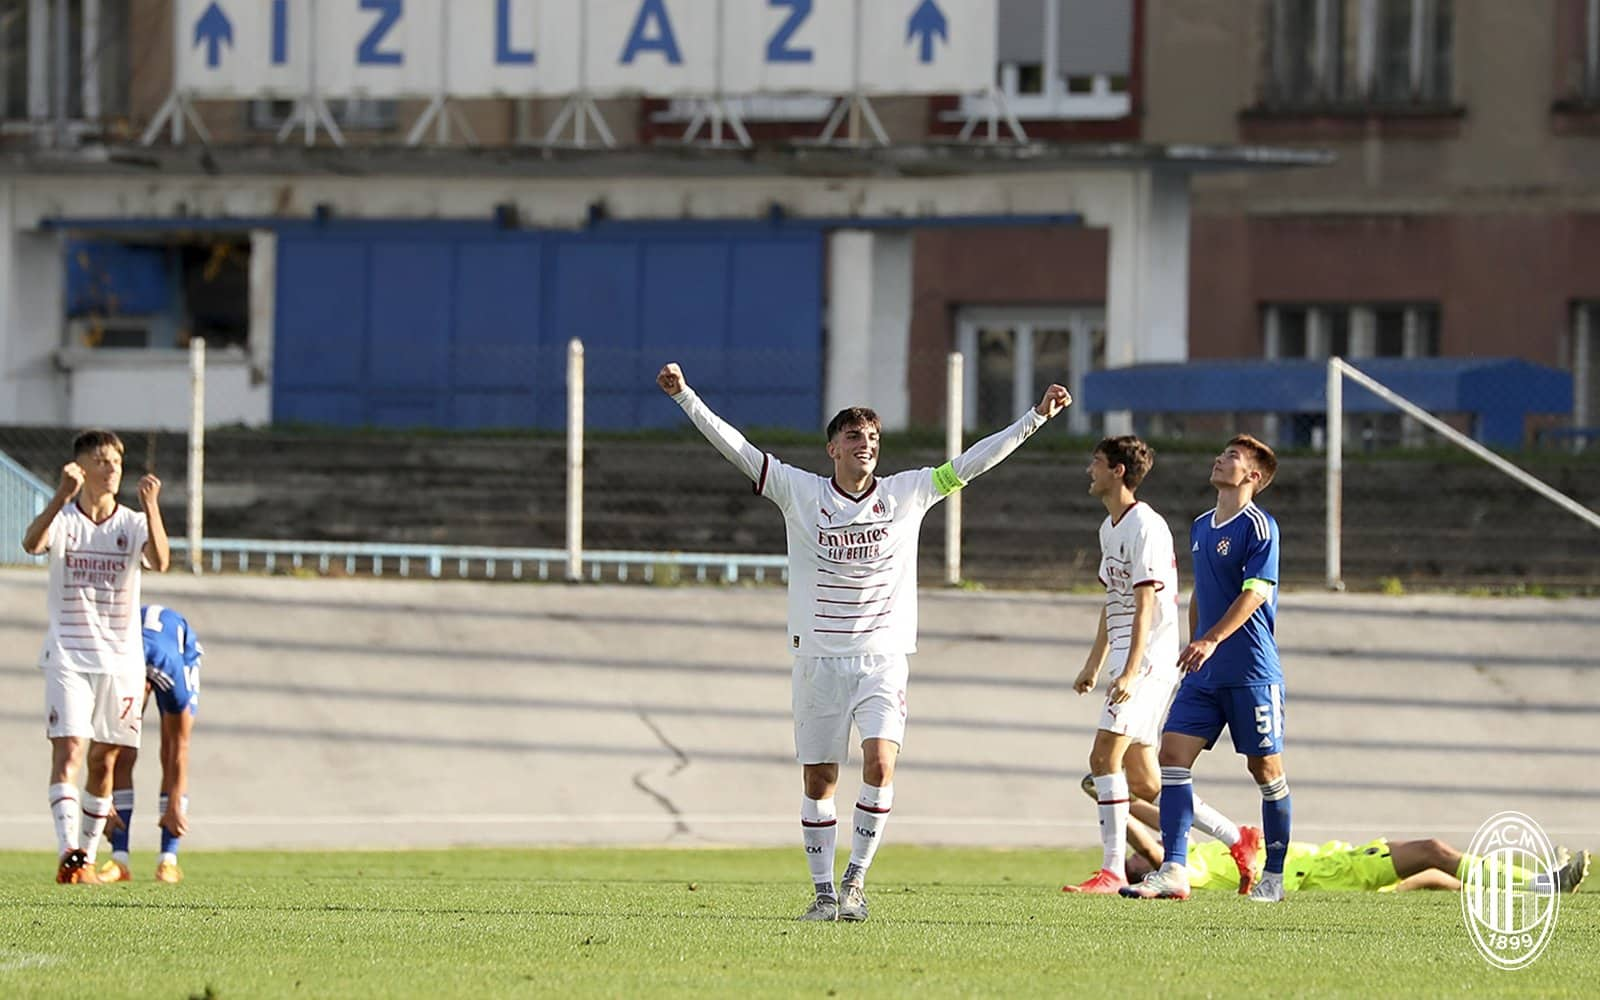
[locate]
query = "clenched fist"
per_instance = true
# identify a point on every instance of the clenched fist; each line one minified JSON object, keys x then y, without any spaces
{"x":71,"y":481}
{"x":1056,"y":398}
{"x":670,"y":379}
{"x":149,"y":490}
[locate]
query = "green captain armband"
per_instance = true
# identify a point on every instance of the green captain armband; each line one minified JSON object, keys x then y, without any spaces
{"x":1262,"y":587}
{"x":946,"y":481}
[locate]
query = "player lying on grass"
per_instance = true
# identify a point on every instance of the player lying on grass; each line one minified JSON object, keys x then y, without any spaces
{"x":172,"y":672}
{"x":1136,"y":642}
{"x":1378,"y":866}
{"x":852,"y":540}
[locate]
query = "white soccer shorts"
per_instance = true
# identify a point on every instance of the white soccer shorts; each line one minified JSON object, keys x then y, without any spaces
{"x":1140,"y":717}
{"x":830,"y":692}
{"x":105,"y":708}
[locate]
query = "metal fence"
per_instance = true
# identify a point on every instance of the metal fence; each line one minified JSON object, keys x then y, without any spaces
{"x":657,"y":504}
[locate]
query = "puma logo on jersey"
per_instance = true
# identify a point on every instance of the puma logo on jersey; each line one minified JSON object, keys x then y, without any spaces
{"x":827,"y":514}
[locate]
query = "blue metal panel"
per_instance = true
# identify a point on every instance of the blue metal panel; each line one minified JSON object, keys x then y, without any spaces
{"x":498,"y":294}
{"x":409,"y":308}
{"x":595,"y":291}
{"x":466,"y":325}
{"x":319,"y":347}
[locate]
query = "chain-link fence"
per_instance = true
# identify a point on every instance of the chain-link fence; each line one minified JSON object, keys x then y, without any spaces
{"x":1416,"y":510}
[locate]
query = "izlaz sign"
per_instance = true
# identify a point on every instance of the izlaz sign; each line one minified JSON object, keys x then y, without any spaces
{"x":232,"y":49}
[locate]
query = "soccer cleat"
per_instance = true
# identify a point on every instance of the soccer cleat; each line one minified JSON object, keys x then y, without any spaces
{"x":822,"y":908}
{"x":1169,"y":881}
{"x":1269,"y":889}
{"x":1246,"y":853}
{"x":1574,"y":869}
{"x":113,"y":871}
{"x":854,"y":905}
{"x":68,"y":872}
{"x":76,"y":869}
{"x":1104,"y":882}
{"x":169,"y":872}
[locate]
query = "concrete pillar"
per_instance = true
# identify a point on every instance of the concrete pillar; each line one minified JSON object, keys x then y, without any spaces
{"x":869,"y":323}
{"x":1147,"y":279}
{"x":33,"y":390}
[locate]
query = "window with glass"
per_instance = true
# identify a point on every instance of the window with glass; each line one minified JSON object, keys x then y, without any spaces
{"x":352,"y":114}
{"x":1295,"y":331}
{"x":1359,"y":52}
{"x":97,"y":69}
{"x":1067,"y":59}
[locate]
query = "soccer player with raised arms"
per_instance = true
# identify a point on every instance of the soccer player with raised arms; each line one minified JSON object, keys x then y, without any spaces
{"x":1234,"y":677}
{"x":1138,"y":633}
{"x":852,"y":541}
{"x":92,"y":657}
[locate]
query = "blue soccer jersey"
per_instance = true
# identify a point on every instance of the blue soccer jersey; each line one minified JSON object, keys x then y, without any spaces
{"x":1227,"y":556}
{"x":172,"y":659}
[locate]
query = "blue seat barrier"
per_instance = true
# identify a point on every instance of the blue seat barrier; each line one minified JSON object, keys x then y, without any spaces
{"x":22,"y":497}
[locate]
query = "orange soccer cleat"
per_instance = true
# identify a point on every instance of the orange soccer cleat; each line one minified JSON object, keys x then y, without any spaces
{"x":169,"y":872}
{"x":1247,"y":856}
{"x":1104,"y":882}
{"x":75,"y":869}
{"x":115,"y":871}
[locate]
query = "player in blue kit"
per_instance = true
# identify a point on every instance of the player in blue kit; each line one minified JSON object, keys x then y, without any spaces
{"x":172,"y":655}
{"x":1233,"y":677}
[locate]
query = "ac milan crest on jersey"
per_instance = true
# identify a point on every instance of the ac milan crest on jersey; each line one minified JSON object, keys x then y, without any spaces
{"x":122,"y":543}
{"x":878,"y":508}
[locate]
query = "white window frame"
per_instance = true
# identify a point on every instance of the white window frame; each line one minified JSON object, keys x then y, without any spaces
{"x":41,"y":100}
{"x":1363,"y":330}
{"x":1101,"y":103}
{"x":1328,"y":58}
{"x":1585,"y":359}
{"x":1079,"y":321}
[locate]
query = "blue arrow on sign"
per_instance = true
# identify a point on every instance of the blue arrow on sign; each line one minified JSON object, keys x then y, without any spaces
{"x":213,"y":29}
{"x":929,"y":22}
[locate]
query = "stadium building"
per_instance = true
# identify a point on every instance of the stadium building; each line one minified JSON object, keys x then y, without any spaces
{"x":397,"y":215}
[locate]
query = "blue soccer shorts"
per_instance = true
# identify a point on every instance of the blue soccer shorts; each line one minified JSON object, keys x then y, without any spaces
{"x":1253,"y":714}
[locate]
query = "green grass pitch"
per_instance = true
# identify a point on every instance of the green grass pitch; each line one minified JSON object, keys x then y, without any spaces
{"x":697,"y":923}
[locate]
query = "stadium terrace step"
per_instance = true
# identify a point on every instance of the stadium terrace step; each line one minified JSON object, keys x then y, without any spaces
{"x":1028,"y":522}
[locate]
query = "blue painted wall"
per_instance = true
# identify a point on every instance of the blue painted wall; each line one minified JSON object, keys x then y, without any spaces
{"x":465,"y":326}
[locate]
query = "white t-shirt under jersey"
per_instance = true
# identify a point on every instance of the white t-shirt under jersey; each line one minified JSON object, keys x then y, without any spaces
{"x":853,"y":559}
{"x":1136,"y":549}
{"x":94,"y":592}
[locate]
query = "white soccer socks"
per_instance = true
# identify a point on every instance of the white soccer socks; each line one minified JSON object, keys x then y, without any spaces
{"x":819,"y":826}
{"x":872,"y":813}
{"x":1210,"y":821}
{"x":96,"y":811}
{"x":65,"y":812}
{"x":1111,"y":798}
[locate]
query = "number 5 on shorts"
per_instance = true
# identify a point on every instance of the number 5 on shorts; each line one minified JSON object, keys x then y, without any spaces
{"x":1264,"y":720}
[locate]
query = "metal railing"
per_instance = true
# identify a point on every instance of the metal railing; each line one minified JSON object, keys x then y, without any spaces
{"x":22,"y":497}
{"x":480,"y":562}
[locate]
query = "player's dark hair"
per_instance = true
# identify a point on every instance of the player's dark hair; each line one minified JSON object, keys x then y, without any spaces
{"x":94,"y":440}
{"x":1135,"y":457}
{"x":1260,"y":455}
{"x":854,"y":416}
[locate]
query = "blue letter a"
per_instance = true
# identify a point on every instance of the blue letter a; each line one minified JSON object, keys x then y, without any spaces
{"x":661,"y":40}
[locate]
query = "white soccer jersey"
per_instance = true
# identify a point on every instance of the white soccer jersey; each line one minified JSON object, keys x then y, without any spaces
{"x":853,"y":559}
{"x":94,"y":592}
{"x":1136,"y":549}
